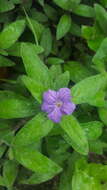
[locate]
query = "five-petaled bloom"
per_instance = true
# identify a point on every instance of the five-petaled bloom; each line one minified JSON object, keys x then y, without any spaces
{"x":57,"y":104}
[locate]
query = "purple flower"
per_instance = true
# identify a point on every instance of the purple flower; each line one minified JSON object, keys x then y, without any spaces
{"x":57,"y":104}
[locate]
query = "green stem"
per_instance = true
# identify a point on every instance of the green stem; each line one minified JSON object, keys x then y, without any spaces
{"x":32,"y":28}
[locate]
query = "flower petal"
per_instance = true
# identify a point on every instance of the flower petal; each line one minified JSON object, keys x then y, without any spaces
{"x":68,"y":107}
{"x":55,"y":115}
{"x":50,"y":96}
{"x":64,"y":94}
{"x":47,"y":107}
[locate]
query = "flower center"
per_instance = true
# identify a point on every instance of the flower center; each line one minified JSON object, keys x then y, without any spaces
{"x":58,"y":104}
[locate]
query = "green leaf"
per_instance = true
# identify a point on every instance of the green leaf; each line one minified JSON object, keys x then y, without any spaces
{"x":15,"y":106}
{"x":55,"y":131}
{"x":33,"y":131}
{"x":10,"y":171}
{"x":77,"y":71}
{"x":35,"y":68}
{"x":3,"y":52}
{"x":67,"y":4}
{"x":100,"y":57}
{"x":103,"y":115}
{"x":104,"y":186}
{"x":4,"y":124}
{"x":65,"y":183}
{"x":84,"y":10}
{"x":2,"y":183}
{"x":46,"y":41}
{"x":95,"y":44}
{"x":3,"y":148}
{"x":36,"y":28}
{"x":98,"y":100}
{"x":75,"y":29}
{"x":55,"y":70}
{"x":36,"y":88}
{"x":35,"y":161}
{"x":16,"y":1}
{"x":41,"y":2}
{"x":6,"y":6}
{"x":54,"y":60}
{"x":93,"y":169}
{"x":15,"y":50}
{"x":57,"y":149}
{"x":63,"y":26}
{"x":50,"y":12}
{"x":27,"y":4}
{"x":11,"y":33}
{"x":97,"y":146}
{"x":75,"y":133}
{"x":6,"y":133}
{"x":37,"y":178}
{"x":66,"y":177}
{"x":93,"y":35}
{"x":86,"y":89}
{"x":104,"y":3}
{"x":64,"y":4}
{"x":92,"y":32}
{"x":82,"y":180}
{"x":57,"y":155}
{"x":101,"y":17}
{"x":38,"y":16}
{"x":87,"y":32}
{"x":86,"y":175}
{"x":93,"y":129}
{"x":5,"y":62}
{"x":8,"y":138}
{"x":62,"y":81}
{"x":65,"y":52}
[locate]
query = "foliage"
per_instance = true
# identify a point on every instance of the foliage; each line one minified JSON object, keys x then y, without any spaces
{"x":51,"y":45}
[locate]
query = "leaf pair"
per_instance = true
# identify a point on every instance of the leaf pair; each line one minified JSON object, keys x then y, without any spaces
{"x":76,"y":7}
{"x":25,"y":151}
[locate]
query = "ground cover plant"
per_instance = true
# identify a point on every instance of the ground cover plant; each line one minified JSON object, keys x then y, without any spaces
{"x":53,"y":94}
